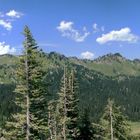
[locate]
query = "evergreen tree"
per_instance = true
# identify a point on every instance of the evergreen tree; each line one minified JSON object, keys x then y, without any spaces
{"x":114,"y":122}
{"x":85,"y":127}
{"x":30,"y":121}
{"x":73,"y":111}
{"x":98,"y":132}
{"x":52,"y":120}
{"x":62,"y":107}
{"x":68,"y":106}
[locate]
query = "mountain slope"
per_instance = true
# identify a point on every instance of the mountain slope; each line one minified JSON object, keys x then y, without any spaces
{"x":112,"y":65}
{"x":97,"y":80}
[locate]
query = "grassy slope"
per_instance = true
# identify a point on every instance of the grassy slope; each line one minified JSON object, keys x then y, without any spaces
{"x":111,"y":68}
{"x":8,"y":59}
{"x":7,"y":64}
{"x":109,"y":65}
{"x":135,"y":126}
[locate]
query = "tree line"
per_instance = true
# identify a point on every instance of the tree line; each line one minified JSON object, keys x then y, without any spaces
{"x":39,"y":117}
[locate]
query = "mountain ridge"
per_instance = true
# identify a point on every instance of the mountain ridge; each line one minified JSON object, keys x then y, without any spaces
{"x":97,"y":81}
{"x":74,"y":57}
{"x":109,"y":64}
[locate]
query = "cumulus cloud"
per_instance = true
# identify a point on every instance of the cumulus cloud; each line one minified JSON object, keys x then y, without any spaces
{"x":87,"y":55}
{"x":67,"y":30}
{"x":14,"y":14}
{"x":96,"y":28}
{"x":7,"y":25}
{"x":7,"y":19}
{"x":6,"y":49}
{"x":64,"y":26}
{"x":123,"y":35}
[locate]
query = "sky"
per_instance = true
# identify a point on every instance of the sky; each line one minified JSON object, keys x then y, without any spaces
{"x":83,"y":28}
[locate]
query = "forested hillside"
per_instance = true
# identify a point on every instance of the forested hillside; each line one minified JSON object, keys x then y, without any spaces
{"x":111,"y":76}
{"x":95,"y":86}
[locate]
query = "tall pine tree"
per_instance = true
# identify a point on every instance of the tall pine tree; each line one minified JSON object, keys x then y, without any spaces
{"x":62,"y":107}
{"x":85,"y":127}
{"x":73,"y":110}
{"x":68,"y":107}
{"x":114,"y":122}
{"x":30,"y":121}
{"x":52,"y":120}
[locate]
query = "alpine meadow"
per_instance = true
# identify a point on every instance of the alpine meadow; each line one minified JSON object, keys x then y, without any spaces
{"x":69,"y":70}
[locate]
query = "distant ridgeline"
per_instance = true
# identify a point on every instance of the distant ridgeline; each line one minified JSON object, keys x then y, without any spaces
{"x":109,"y":76}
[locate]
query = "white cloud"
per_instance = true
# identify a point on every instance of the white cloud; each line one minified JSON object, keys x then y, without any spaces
{"x":7,"y":19}
{"x":64,"y":26}
{"x":7,"y":25}
{"x":67,"y":30}
{"x":96,"y":28}
{"x":6,"y":49}
{"x":87,"y":55}
{"x":14,"y":14}
{"x":123,"y":35}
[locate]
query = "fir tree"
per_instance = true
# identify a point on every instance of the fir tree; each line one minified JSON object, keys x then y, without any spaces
{"x":85,"y":127}
{"x":68,"y":106}
{"x":114,"y":122}
{"x":62,"y":107}
{"x":98,"y":132}
{"x":30,"y":121}
{"x":53,"y":120}
{"x":73,"y":110}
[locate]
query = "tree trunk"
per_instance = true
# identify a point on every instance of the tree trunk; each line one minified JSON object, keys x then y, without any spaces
{"x":27,"y":99}
{"x":111,"y":121}
{"x":65,"y":110}
{"x":55,"y":127}
{"x":28,"y":119}
{"x":49,"y":124}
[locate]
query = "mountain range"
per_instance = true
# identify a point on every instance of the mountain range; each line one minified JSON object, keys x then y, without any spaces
{"x":109,"y":76}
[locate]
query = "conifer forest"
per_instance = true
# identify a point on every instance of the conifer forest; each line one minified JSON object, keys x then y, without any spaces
{"x":69,"y":70}
{"x":52,"y":97}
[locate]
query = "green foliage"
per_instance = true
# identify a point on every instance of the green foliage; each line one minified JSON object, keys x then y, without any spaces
{"x":120,"y":126}
{"x":135,"y":128}
{"x":98,"y":132}
{"x":68,"y":110}
{"x":111,"y":65}
{"x":95,"y":87}
{"x":62,"y":106}
{"x":30,"y":95}
{"x":73,"y":109}
{"x":85,"y":127}
{"x":53,"y":120}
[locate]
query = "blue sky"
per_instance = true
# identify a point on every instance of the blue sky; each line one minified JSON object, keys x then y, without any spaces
{"x":82,"y":28}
